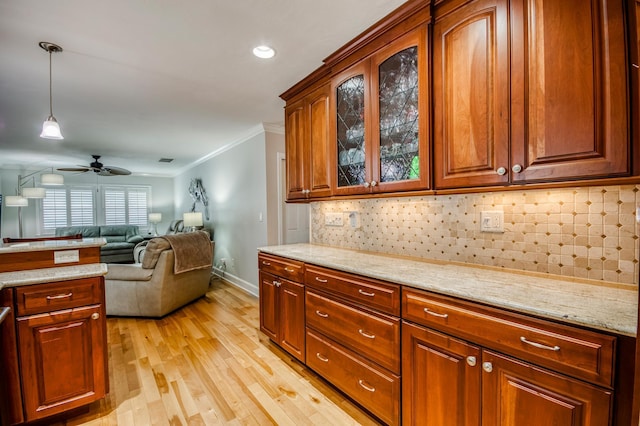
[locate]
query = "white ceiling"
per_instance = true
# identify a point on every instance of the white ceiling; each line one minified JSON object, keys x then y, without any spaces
{"x":143,"y":79}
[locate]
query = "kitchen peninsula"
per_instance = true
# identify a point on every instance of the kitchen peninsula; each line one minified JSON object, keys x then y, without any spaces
{"x":53,"y":341}
{"x":491,"y":336}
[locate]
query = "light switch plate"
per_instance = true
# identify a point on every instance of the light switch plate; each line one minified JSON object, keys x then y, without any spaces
{"x":492,"y":221}
{"x":333,"y":219}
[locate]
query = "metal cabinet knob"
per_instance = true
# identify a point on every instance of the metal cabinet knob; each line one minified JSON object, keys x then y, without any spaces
{"x":517,"y":168}
{"x":374,"y":183}
{"x":95,"y":316}
{"x":366,"y":184}
{"x":501,"y":171}
{"x":487,"y":366}
{"x":471,"y":360}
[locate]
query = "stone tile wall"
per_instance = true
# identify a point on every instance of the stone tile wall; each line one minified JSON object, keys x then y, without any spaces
{"x":577,"y":232}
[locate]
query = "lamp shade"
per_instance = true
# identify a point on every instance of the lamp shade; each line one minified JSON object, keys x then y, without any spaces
{"x":51,"y":129}
{"x":16,"y":201}
{"x":155,"y":217}
{"x":51,"y":179}
{"x":192,"y":219}
{"x":34,"y":192}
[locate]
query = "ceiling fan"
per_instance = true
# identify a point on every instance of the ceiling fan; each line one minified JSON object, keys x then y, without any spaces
{"x":97,"y":168}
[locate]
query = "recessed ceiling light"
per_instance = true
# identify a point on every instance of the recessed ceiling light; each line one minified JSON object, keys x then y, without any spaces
{"x":264,"y":52}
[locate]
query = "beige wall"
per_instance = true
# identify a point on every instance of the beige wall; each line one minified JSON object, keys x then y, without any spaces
{"x":576,"y":232}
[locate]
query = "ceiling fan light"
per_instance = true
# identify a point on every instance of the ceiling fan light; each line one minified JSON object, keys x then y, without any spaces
{"x":51,"y":179}
{"x":51,"y":129}
{"x":34,"y":192}
{"x":16,"y":201}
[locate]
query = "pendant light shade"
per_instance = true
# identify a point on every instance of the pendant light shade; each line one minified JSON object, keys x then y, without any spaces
{"x":50,"y":128}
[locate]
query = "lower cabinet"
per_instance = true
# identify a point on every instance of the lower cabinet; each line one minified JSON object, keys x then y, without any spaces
{"x":60,"y":343}
{"x":282,"y":313}
{"x":449,"y":381}
{"x":62,"y":360}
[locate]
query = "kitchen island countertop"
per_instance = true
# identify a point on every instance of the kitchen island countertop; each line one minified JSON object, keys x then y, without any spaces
{"x":600,"y":305}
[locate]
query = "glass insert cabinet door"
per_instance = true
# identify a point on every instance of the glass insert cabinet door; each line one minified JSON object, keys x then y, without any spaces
{"x":381,"y":120}
{"x":398,"y":117}
{"x":350,"y":114}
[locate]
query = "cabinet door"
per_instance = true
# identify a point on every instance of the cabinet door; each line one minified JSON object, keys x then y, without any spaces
{"x":399,"y":78}
{"x":269,"y":309}
{"x":569,"y":89}
{"x":295,"y":150}
{"x":62,"y":357}
{"x":351,"y":130}
{"x":515,"y":393}
{"x":471,"y":95}
{"x":318,"y":171}
{"x":440,"y":379}
{"x":292,"y":330}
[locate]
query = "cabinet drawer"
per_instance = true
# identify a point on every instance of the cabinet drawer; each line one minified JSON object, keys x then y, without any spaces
{"x":375,"y":294}
{"x":376,"y":337}
{"x":377,"y":390}
{"x":285,"y":268}
{"x":39,"y":298}
{"x":572,"y":351}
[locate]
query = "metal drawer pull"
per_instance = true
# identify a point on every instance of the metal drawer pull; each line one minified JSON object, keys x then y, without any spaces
{"x":435,"y":314}
{"x":322,"y":314}
{"x":320,"y":280}
{"x":364,"y":293}
{"x":265,"y":263}
{"x":60,"y":296}
{"x":365,"y":386}
{"x":321,"y":357}
{"x":289,"y":270}
{"x":539,"y":345}
{"x":367,"y":335}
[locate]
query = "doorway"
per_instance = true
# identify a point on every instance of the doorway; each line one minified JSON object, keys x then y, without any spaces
{"x":293,"y":218}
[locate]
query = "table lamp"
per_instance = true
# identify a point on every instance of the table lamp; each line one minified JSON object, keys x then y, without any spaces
{"x":154,"y":219}
{"x":192,"y":220}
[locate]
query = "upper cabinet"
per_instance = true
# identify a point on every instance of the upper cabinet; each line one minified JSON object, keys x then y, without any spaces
{"x":307,"y":149}
{"x":380,"y":120}
{"x":530,"y":91}
{"x":469,"y":94}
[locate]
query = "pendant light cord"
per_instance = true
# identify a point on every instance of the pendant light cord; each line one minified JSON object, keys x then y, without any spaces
{"x":50,"y":89}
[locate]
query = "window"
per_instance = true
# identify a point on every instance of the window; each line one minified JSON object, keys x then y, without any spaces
{"x":92,"y":205}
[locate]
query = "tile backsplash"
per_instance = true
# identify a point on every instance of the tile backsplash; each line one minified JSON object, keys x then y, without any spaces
{"x":587,"y":232}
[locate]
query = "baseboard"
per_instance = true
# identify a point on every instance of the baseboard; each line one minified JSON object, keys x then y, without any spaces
{"x":237,"y":281}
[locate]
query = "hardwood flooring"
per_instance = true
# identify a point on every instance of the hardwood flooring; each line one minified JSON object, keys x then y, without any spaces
{"x":208,"y":364}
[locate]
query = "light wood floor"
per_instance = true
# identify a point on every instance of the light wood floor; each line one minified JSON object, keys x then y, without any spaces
{"x":209,"y":364}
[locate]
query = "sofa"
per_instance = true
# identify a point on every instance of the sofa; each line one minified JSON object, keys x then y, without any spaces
{"x":175,"y":270}
{"x":121,"y":239}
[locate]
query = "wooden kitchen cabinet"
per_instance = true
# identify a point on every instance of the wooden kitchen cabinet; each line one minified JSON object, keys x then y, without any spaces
{"x":307,"y":146}
{"x":380,"y":119}
{"x":441,"y":379}
{"x":500,"y":368}
{"x":61,"y":341}
{"x":530,"y":91}
{"x":282,"y":310}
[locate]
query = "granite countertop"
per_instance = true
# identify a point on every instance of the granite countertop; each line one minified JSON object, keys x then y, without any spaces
{"x":49,"y":275}
{"x":600,"y":305}
{"x":51,"y":245}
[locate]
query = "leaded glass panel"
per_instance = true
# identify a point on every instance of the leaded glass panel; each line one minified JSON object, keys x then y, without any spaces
{"x":398,"y":97}
{"x":350,"y":131}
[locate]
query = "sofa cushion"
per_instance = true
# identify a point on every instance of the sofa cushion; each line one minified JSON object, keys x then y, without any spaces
{"x":86,"y":231}
{"x":128,"y":273}
{"x":154,"y":248}
{"x":118,"y":246}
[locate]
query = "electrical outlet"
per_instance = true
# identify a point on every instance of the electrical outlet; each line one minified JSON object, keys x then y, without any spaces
{"x":638,"y":214}
{"x":333,"y":219}
{"x":354,"y":219}
{"x":492,"y":221}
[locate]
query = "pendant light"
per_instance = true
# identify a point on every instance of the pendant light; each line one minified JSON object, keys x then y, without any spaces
{"x":50,"y":128}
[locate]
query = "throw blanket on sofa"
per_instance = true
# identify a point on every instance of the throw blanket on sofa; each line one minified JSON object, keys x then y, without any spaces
{"x":191,"y":251}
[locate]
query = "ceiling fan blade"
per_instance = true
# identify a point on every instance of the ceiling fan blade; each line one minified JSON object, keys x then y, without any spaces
{"x":73,"y":169}
{"x":115,"y":171}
